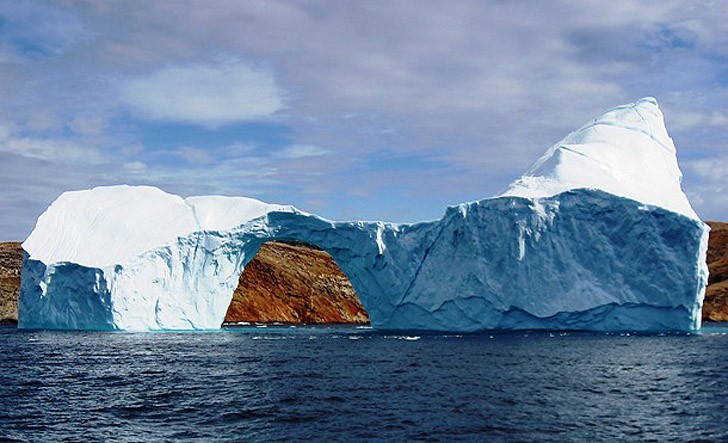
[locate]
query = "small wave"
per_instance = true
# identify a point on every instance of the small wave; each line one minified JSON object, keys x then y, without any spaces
{"x":271,"y":337}
{"x":405,"y":337}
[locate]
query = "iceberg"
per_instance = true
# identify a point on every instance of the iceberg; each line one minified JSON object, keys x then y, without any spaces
{"x":597,"y":235}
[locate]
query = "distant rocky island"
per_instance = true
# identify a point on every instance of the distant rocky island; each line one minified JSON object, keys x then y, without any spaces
{"x":300,"y":284}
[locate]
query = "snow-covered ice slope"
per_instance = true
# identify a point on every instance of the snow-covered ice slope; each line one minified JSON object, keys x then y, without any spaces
{"x":625,"y":151}
{"x":597,"y":235}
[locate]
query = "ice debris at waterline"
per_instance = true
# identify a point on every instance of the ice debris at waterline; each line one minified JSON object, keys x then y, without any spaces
{"x":597,"y":235}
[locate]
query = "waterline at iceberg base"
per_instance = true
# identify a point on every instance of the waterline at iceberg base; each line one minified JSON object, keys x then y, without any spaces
{"x":597,"y":235}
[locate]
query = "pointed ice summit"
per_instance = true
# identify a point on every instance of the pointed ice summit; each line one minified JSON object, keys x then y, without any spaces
{"x":626,"y":152}
{"x":597,"y":235}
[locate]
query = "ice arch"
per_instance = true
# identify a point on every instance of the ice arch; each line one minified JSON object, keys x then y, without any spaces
{"x":597,"y":235}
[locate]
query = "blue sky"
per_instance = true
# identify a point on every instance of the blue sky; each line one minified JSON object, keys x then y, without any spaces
{"x":353,"y":110}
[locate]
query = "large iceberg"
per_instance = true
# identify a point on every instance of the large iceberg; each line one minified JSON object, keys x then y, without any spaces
{"x":597,"y":235}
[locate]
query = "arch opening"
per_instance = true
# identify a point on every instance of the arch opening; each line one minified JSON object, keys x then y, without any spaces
{"x":293,"y":282}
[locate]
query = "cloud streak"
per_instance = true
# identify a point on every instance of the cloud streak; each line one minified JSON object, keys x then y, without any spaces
{"x":210,"y":94}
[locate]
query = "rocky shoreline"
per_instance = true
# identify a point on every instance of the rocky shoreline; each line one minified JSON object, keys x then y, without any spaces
{"x":292,"y":284}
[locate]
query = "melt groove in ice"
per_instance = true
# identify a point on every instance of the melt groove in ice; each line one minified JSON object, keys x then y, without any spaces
{"x":597,"y":235}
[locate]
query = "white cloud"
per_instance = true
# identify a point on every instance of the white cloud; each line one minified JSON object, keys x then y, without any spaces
{"x":714,"y":168}
{"x":5,"y":132}
{"x":57,"y":150}
{"x":301,"y":151}
{"x":87,"y":125}
{"x":685,"y":120}
{"x":194,"y":155}
{"x":237,"y":149}
{"x":708,"y":187}
{"x":135,"y":167}
{"x":208,"y":95}
{"x":42,"y":120}
{"x":131,"y":149}
{"x":718,"y":118}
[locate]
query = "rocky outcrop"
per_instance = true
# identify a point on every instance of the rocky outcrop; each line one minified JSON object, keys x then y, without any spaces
{"x":294,"y":283}
{"x":11,"y":262}
{"x":715,"y":306}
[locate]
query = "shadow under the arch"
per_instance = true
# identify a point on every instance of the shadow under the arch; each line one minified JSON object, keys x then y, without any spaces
{"x":294,"y":282}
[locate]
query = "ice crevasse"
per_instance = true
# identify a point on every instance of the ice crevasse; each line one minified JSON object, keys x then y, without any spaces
{"x":596,"y":235}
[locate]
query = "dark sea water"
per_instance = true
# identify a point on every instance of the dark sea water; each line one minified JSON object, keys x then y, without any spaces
{"x":348,"y":384}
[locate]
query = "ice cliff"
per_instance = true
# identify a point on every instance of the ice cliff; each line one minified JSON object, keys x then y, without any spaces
{"x":597,"y":235}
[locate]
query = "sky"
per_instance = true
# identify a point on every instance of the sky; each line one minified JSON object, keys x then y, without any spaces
{"x":371,"y":110}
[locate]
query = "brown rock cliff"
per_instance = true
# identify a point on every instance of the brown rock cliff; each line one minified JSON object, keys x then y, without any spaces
{"x":715,"y":306}
{"x":11,"y":262}
{"x":294,"y":283}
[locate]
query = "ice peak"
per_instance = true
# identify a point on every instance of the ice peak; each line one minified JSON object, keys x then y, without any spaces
{"x":626,"y":151}
{"x":647,"y":100}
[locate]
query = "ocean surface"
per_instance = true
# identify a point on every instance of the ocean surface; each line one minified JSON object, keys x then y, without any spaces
{"x":352,"y":384}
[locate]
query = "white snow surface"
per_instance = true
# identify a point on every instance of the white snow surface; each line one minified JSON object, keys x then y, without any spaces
{"x":597,"y":235}
{"x":626,"y":152}
{"x":112,"y":224}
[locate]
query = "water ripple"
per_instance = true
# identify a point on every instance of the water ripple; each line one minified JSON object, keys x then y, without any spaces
{"x":341,"y":384}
